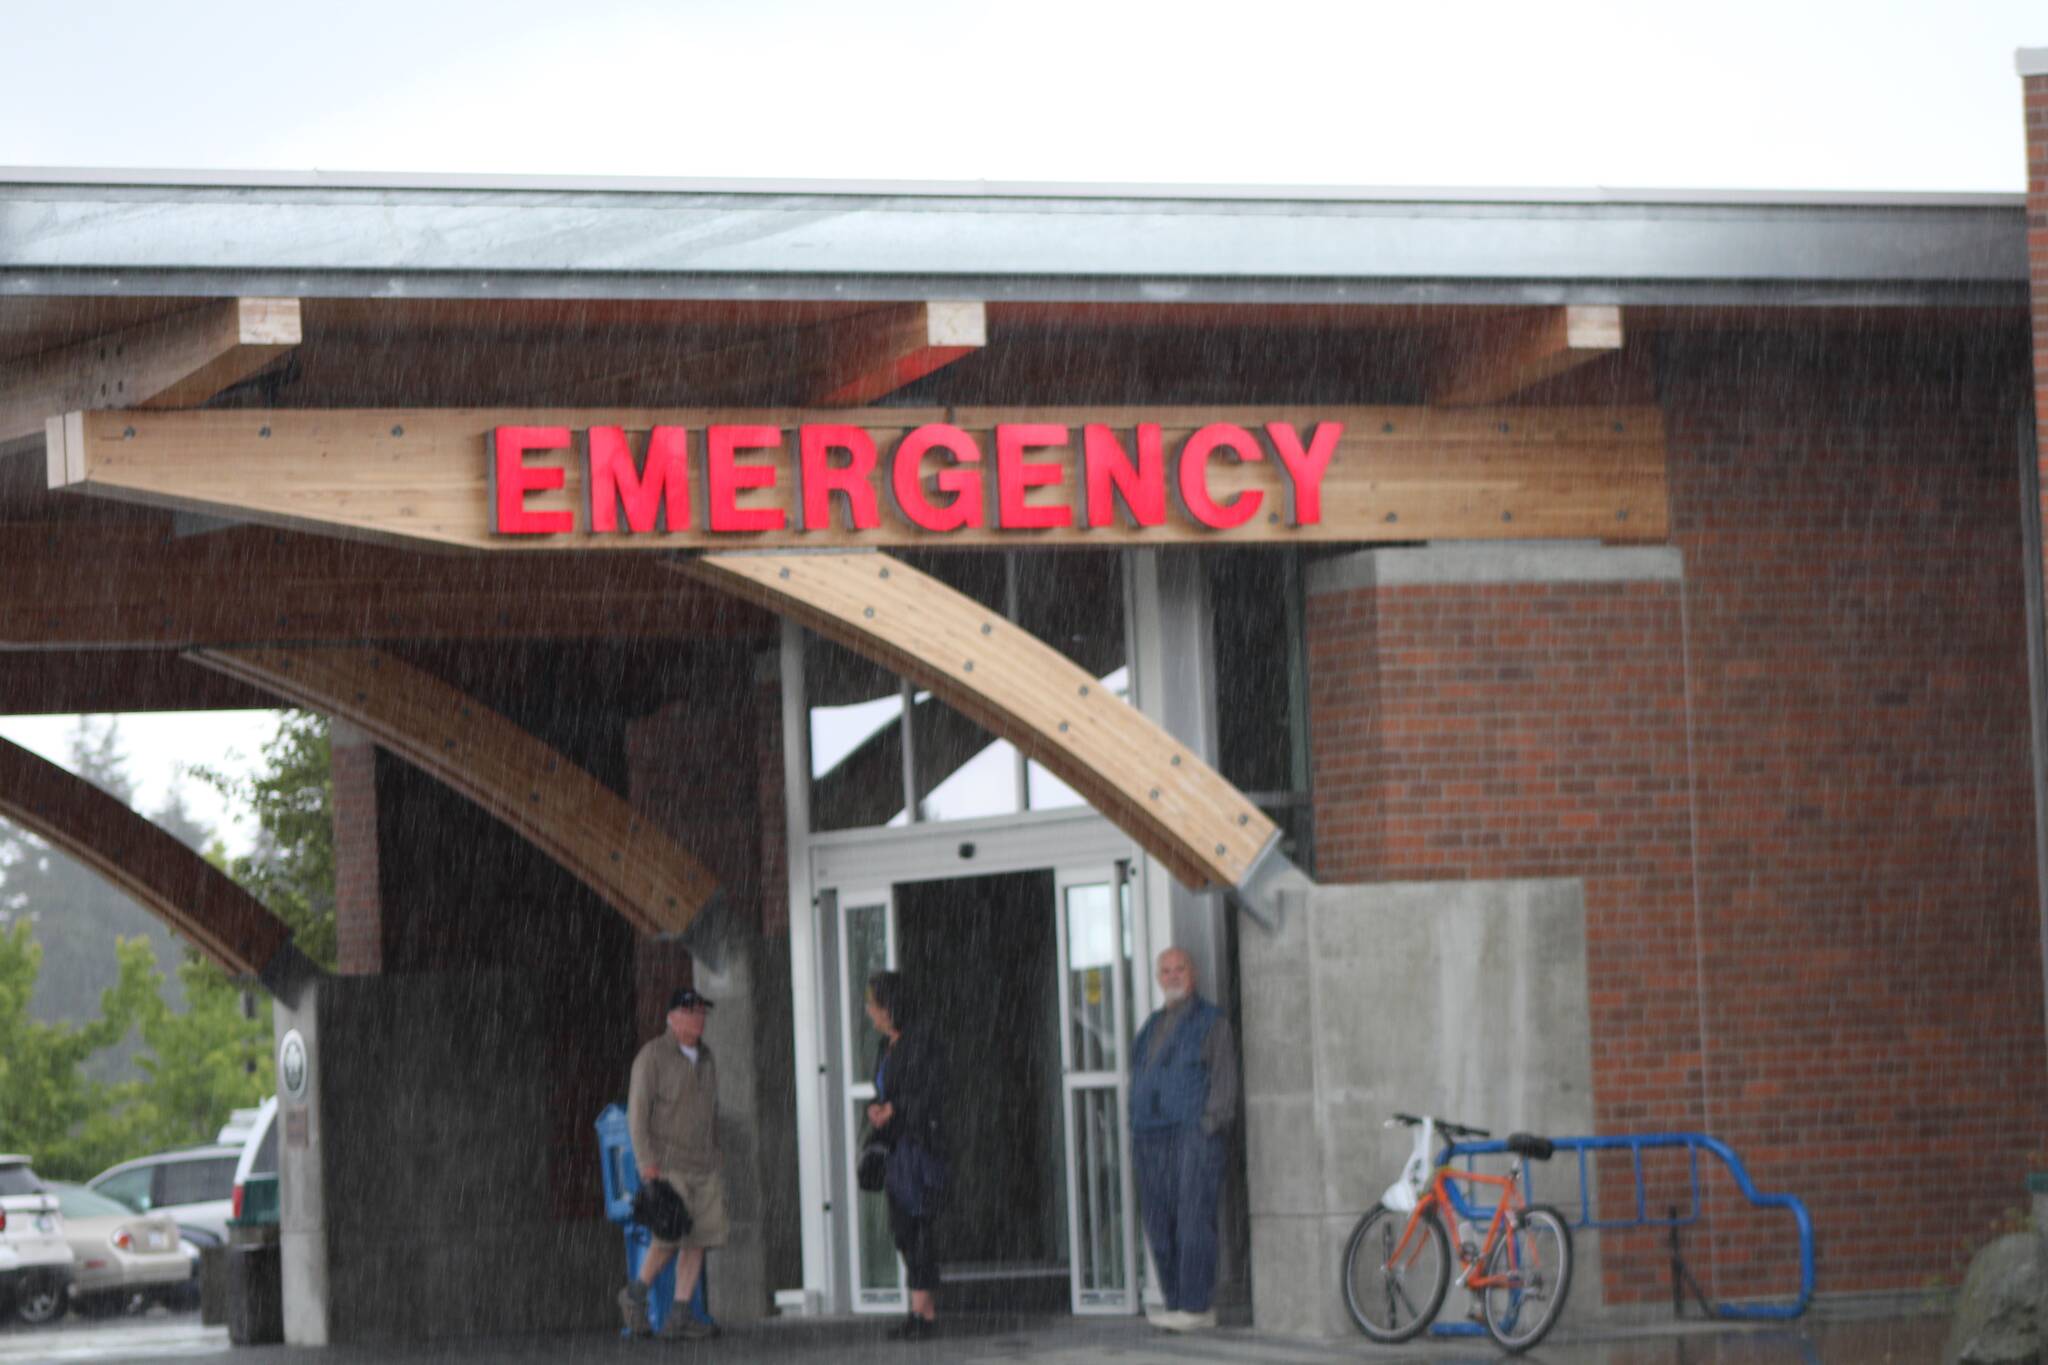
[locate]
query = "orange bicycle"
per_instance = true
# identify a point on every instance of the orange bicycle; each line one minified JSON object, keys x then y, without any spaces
{"x":1397,"y":1266}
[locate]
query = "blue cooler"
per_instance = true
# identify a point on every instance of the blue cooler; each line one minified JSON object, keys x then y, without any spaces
{"x":621,"y":1183}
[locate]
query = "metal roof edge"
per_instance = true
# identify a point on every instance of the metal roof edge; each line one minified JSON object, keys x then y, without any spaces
{"x":403,"y":182}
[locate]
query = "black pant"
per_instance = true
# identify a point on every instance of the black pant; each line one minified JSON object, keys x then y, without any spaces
{"x":914,"y":1240}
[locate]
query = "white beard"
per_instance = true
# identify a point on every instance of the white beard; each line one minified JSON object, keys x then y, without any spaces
{"x":1173,"y":997}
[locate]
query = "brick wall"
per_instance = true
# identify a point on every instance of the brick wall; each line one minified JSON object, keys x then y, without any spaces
{"x":358,"y":902}
{"x":1855,"y":1000}
{"x":2036,"y":105}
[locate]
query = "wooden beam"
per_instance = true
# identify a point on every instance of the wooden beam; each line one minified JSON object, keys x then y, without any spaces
{"x":878,"y":353}
{"x":56,"y":682}
{"x":1177,"y":807}
{"x":555,"y":805}
{"x":84,"y":583}
{"x":1400,"y":474}
{"x":144,"y":863}
{"x":172,"y":362}
{"x":1494,"y":360}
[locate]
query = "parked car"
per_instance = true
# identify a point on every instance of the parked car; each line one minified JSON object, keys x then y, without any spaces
{"x":35,"y":1260}
{"x":120,"y":1255}
{"x":259,"y":1165}
{"x":194,"y":1185}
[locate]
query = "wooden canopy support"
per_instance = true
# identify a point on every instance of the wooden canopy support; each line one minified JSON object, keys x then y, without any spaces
{"x":843,"y":362}
{"x":1395,"y":474}
{"x":1178,"y":808}
{"x":178,"y":361}
{"x":172,"y":882}
{"x":1494,"y":360}
{"x":875,"y":354}
{"x":557,"y":806}
{"x":133,"y":584}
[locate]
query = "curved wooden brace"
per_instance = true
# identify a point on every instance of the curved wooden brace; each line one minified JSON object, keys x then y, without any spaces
{"x":1177,"y":807}
{"x":554,"y":804}
{"x":172,"y":882}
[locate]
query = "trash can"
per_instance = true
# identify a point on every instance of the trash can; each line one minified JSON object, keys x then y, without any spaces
{"x":255,"y":1294}
{"x":621,"y":1183}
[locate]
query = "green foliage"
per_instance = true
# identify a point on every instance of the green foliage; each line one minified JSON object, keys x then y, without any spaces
{"x":60,"y":1101}
{"x":291,"y":868}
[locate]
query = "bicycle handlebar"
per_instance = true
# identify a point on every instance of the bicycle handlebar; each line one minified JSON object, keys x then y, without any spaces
{"x":1445,"y":1126}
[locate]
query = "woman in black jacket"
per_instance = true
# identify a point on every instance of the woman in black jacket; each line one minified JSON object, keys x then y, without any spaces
{"x":905,"y":1115}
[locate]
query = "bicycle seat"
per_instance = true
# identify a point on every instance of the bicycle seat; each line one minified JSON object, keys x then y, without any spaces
{"x":1531,"y":1146}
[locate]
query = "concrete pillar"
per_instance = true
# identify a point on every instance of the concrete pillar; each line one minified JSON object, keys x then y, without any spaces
{"x":415,"y":1177}
{"x":1466,"y":1000}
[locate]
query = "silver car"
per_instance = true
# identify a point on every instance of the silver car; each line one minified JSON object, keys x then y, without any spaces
{"x":36,"y":1265}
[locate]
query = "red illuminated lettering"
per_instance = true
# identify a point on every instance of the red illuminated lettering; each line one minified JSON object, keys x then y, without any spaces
{"x":1142,"y":489}
{"x":1017,"y":476}
{"x":1194,"y":476}
{"x":724,"y":479}
{"x":511,"y":481}
{"x":961,"y":478}
{"x":656,"y":498}
{"x":819,"y":478}
{"x":1305,"y":468}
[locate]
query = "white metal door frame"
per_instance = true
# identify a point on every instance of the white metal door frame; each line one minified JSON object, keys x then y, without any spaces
{"x":856,"y":1090}
{"x":1128,"y":936}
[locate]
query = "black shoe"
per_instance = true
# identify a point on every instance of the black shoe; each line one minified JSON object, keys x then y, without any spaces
{"x":913,"y":1329}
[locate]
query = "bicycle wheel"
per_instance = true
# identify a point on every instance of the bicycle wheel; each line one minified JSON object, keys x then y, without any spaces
{"x":1533,"y":1264}
{"x":1393,"y":1302}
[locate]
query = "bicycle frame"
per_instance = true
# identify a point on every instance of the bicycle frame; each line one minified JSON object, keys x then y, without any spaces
{"x":1440,"y":1194}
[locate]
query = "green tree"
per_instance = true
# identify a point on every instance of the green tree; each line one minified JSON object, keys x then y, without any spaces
{"x":77,"y":915}
{"x":291,"y":867}
{"x":49,"y":1102}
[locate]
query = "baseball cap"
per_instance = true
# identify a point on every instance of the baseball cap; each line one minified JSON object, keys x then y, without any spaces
{"x":687,"y":999}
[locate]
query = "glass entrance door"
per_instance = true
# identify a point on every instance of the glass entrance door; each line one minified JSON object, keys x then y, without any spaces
{"x":1096,"y":951}
{"x":867,"y":944}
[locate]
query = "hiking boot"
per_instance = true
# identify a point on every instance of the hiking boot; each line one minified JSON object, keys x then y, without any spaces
{"x":633,"y":1309}
{"x":683,"y":1325}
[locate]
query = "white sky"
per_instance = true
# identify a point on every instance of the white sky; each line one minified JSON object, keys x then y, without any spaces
{"x":1745,"y":94}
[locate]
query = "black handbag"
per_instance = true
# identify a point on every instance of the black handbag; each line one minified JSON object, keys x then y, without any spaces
{"x":661,"y":1210}
{"x":872,"y":1170}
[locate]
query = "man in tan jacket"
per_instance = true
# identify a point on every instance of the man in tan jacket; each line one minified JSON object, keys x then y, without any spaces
{"x":672,"y":1116}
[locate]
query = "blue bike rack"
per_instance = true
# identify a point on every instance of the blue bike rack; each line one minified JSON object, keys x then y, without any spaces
{"x":1636,"y":1145}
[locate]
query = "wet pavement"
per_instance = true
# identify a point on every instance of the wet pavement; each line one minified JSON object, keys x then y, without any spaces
{"x":1859,"y":1340}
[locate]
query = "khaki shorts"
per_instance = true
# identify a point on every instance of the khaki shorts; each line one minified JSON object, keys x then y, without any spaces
{"x":704,"y":1196}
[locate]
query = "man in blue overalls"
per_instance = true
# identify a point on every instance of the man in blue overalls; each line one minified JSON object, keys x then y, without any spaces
{"x":1183,"y":1098}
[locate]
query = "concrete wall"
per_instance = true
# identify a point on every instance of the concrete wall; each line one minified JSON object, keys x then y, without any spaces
{"x":417,"y":1202}
{"x":1466,"y":1000}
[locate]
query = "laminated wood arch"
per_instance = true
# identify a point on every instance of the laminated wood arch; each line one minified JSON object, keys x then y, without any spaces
{"x":1175,"y":806}
{"x":554,"y":804}
{"x":221,"y":920}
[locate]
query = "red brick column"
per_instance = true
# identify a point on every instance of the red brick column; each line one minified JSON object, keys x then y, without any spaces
{"x":358,"y":894}
{"x":2033,"y":66}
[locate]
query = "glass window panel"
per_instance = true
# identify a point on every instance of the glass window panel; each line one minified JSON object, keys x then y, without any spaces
{"x":867,"y":952}
{"x":197,"y":1182}
{"x":985,"y":784}
{"x":855,"y":715}
{"x":880,"y":1272}
{"x":1099,"y":1196}
{"x":1259,"y":681}
{"x":130,"y":1187}
{"x":1094,"y":951}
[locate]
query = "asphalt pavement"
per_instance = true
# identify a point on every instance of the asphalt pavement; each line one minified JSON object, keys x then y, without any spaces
{"x":1862,"y":1339}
